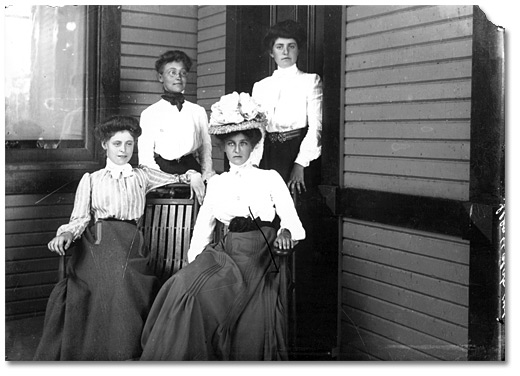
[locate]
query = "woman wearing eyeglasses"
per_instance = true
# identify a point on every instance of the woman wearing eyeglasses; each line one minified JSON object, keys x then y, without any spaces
{"x":225,"y":304}
{"x":175,"y":135}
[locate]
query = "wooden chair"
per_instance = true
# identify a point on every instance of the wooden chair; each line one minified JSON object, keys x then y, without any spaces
{"x":286,"y":262}
{"x":167,"y":225}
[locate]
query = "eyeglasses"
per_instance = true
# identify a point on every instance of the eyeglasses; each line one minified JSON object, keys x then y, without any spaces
{"x":173,"y":73}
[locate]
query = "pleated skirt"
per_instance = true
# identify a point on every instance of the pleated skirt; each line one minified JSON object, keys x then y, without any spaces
{"x":225,"y":305}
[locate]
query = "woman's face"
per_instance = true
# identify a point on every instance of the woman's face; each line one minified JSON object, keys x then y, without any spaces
{"x":120,"y":147}
{"x":285,"y":52}
{"x":238,"y":148}
{"x":174,"y":77}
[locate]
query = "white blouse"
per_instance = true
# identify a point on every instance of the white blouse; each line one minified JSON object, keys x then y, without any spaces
{"x":172,"y":134}
{"x":292,"y":100}
{"x":114,"y":192}
{"x":231,"y":194}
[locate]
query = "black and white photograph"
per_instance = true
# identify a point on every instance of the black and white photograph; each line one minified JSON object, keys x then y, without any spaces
{"x":315,"y":184}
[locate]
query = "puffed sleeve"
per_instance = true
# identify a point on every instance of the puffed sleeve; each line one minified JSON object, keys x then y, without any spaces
{"x":146,"y":143}
{"x":205,"y":149}
{"x":310,"y":148}
{"x":80,"y":216}
{"x":205,"y":224}
{"x":156,"y":178}
{"x":284,"y":206}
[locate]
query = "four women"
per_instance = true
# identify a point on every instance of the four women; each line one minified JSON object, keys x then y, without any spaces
{"x":225,"y":304}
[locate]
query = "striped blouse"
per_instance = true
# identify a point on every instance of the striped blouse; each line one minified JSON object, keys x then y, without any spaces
{"x":122,"y":198}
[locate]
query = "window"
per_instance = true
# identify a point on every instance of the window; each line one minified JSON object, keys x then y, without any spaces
{"x":61,"y":77}
{"x":45,"y":88}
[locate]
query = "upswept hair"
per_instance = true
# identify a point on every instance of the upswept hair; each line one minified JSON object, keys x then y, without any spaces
{"x":285,"y":29}
{"x":108,"y":128}
{"x":174,"y":55}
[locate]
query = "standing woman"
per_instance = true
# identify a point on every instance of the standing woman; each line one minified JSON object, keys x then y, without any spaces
{"x":175,"y":135}
{"x":97,"y":312}
{"x":225,"y":304}
{"x":292,"y":102}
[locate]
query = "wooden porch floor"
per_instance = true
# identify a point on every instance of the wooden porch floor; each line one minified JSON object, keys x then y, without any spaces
{"x":22,"y":337}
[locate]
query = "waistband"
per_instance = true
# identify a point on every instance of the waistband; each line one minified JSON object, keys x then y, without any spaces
{"x":245,"y":224}
{"x":112,"y":219}
{"x":285,"y":136}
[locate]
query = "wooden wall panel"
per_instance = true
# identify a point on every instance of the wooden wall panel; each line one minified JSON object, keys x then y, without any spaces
{"x":147,"y":32}
{"x":408,"y":99}
{"x":31,"y":270}
{"x":405,"y":290}
{"x":211,"y":70}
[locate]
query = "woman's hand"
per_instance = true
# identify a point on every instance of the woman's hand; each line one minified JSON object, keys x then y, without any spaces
{"x":296,"y":180}
{"x":198,"y":189}
{"x":284,"y":242}
{"x":61,"y":243}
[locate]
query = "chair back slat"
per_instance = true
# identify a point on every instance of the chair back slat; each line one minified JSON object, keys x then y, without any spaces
{"x":154,"y":238}
{"x":179,"y":224}
{"x":170,"y":251}
{"x":186,"y":235}
{"x":167,"y":227}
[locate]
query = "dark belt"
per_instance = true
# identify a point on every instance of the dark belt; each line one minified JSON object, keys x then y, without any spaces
{"x":112,"y":219}
{"x":245,"y":224}
{"x":285,"y":136}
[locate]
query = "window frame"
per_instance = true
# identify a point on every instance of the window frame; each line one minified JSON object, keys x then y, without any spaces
{"x":44,"y":170}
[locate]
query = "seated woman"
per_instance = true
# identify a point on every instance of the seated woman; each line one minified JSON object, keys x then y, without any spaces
{"x":98,"y":311}
{"x":175,"y":131}
{"x":225,"y":304}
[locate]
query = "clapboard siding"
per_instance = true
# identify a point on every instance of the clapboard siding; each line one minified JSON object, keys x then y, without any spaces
{"x":410,"y":36}
{"x":31,"y":270}
{"x":404,"y":289}
{"x":147,"y":32}
{"x":439,"y":70}
{"x":386,"y":18}
{"x":211,"y":70}
{"x":408,"y":99}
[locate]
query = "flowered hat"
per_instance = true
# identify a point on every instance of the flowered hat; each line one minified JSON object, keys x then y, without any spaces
{"x":235,"y":112}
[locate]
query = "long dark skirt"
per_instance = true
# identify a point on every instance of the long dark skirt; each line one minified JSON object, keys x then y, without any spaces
{"x":280,"y":156}
{"x":225,"y":305}
{"x":98,"y":311}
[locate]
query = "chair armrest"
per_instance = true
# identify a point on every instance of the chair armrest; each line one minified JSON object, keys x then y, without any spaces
{"x":283,"y":252}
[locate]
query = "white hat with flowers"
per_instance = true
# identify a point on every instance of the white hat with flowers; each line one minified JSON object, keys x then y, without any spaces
{"x":235,"y":112}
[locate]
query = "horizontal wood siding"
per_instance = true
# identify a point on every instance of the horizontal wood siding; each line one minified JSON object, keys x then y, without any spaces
{"x":404,"y":294}
{"x":211,"y":72}
{"x":146,"y":32}
{"x":408,"y":99}
{"x":31,"y":270}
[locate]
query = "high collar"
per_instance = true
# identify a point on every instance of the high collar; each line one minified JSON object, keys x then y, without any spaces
{"x":284,"y":72}
{"x":239,"y":170}
{"x":118,"y":171}
{"x":175,"y":99}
